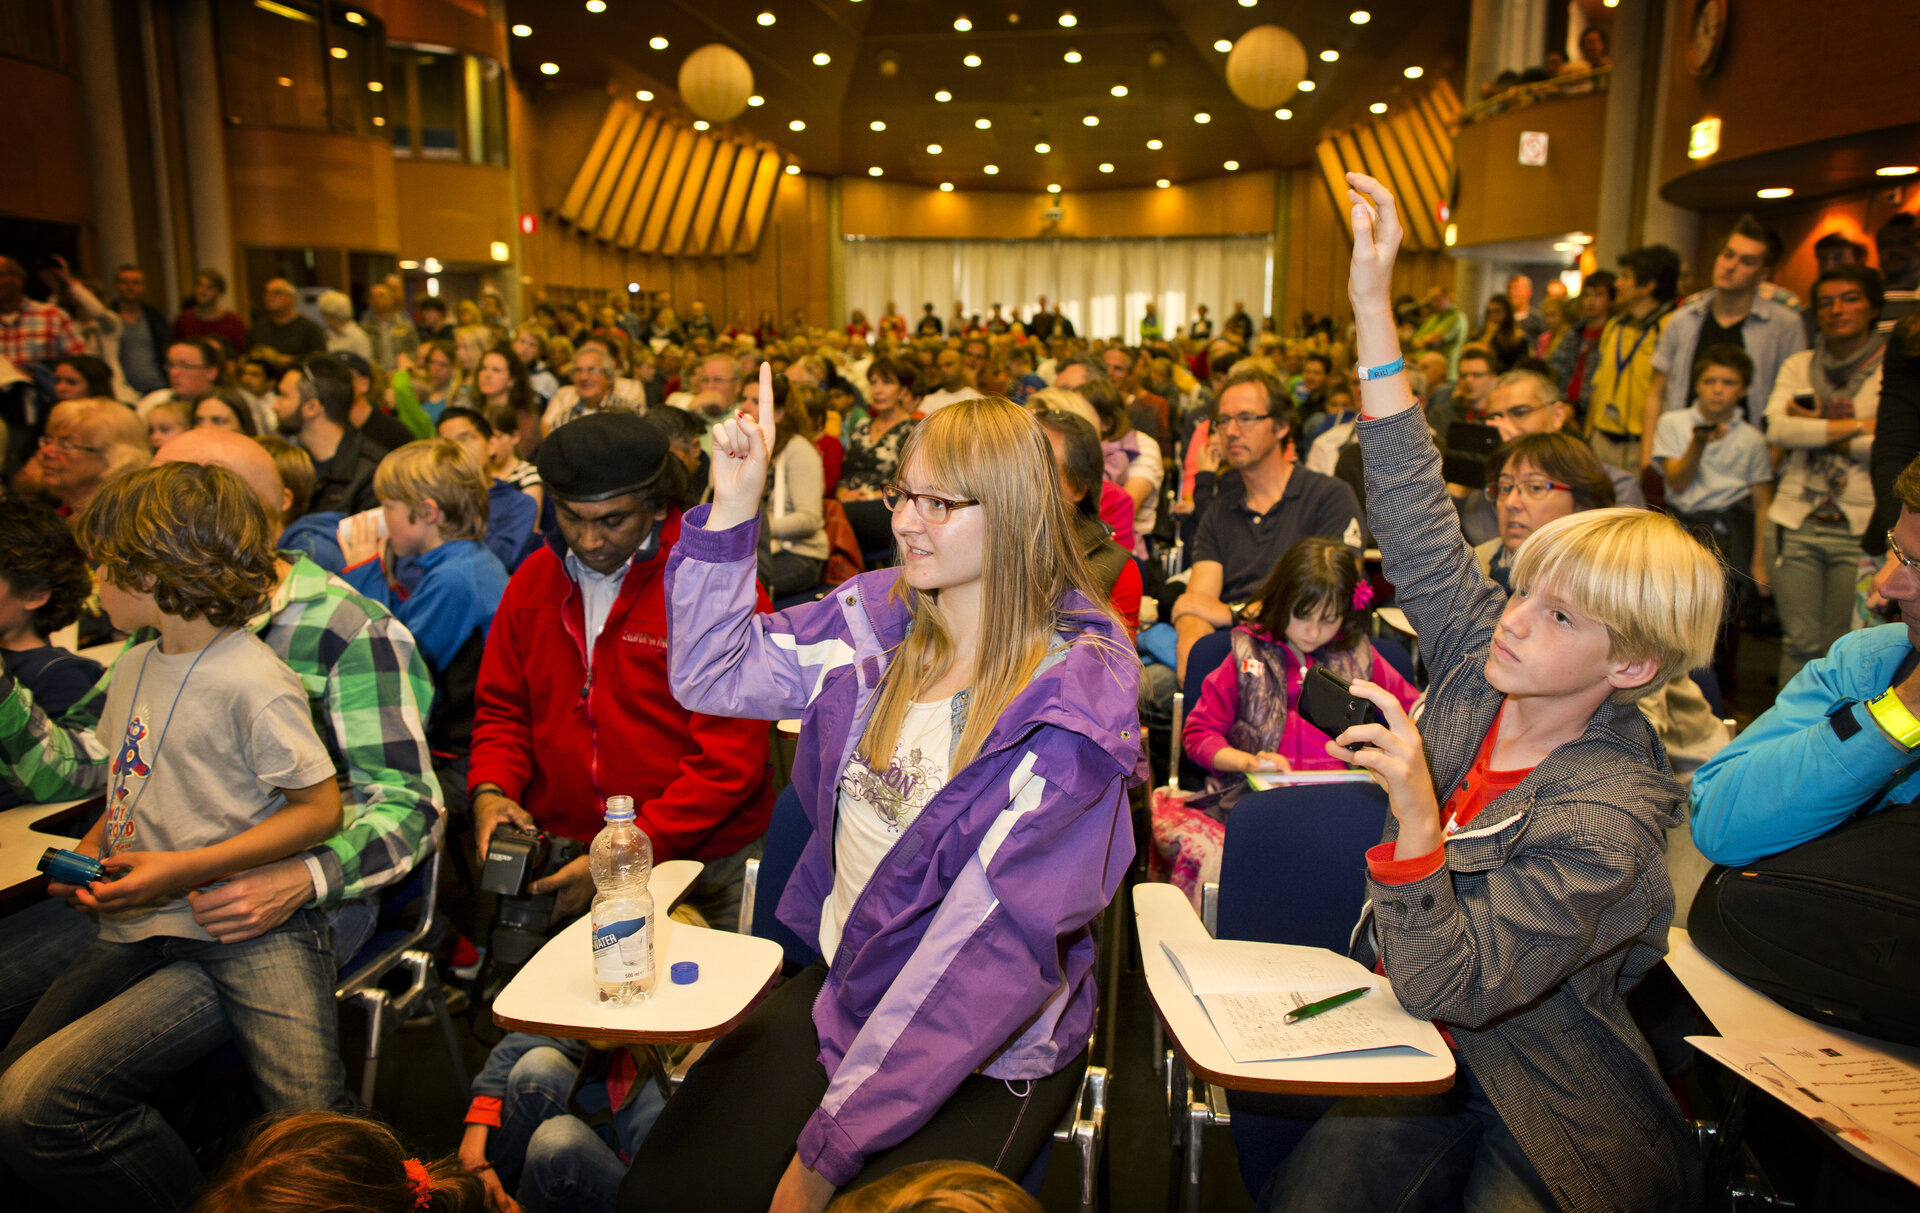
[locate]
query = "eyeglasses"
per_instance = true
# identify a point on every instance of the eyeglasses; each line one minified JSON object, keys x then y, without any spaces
{"x":1229,"y":421}
{"x":1893,"y":549}
{"x":934,"y":510}
{"x":1826,"y":303}
{"x":1516,"y":414}
{"x":66,"y":446}
{"x":1532,"y":490}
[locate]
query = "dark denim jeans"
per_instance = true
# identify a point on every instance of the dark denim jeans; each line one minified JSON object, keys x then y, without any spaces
{"x":109,"y":1022}
{"x":564,"y":1163}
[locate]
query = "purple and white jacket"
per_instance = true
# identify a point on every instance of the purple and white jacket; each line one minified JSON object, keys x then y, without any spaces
{"x":969,"y":950}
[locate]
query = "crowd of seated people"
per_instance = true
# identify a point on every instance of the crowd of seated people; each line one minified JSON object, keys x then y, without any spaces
{"x":402,"y":545}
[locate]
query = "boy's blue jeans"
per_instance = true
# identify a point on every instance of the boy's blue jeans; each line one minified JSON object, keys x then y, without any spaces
{"x":564,"y":1163}
{"x":1403,"y":1153}
{"x":123,"y":1017}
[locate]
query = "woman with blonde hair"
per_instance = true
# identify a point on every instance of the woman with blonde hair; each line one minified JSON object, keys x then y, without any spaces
{"x":967,"y":733}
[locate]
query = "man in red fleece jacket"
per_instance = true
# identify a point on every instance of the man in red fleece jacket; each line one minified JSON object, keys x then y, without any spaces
{"x":572,"y":704}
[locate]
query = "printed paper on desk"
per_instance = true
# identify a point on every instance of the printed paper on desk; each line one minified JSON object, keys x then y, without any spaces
{"x":1820,"y":1078}
{"x":1239,"y":966}
{"x":1266,"y":781}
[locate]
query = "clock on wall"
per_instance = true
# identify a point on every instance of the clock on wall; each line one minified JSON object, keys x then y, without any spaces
{"x":1706,"y":33}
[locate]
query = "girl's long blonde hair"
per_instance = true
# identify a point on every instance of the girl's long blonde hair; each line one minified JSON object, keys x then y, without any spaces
{"x":992,"y":450}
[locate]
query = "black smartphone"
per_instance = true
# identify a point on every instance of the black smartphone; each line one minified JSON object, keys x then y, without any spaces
{"x":1463,"y":459}
{"x":1328,"y":703}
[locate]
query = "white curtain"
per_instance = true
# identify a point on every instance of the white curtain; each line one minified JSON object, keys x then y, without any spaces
{"x":1103,"y":286}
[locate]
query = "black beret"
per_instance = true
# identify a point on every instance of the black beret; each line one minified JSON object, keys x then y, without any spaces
{"x":604,"y":454}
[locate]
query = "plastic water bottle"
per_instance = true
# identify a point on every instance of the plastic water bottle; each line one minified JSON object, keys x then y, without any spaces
{"x":621,"y":861}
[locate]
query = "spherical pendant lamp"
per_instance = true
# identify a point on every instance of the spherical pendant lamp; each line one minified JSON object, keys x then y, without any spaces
{"x":1265,"y":66}
{"x":715,"y":82}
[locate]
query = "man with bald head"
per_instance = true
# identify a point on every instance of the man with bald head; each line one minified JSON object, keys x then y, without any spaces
{"x":1526,"y":402}
{"x":282,"y":335}
{"x":370,"y":695}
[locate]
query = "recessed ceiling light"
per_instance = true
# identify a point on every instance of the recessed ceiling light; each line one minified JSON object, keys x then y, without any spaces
{"x":991,"y":169}
{"x":1307,"y":86}
{"x":1106,"y":168}
{"x":874,"y":171}
{"x":549,"y":69}
{"x":793,"y":170}
{"x":1223,"y":45}
{"x":756,"y":101}
{"x":1068,"y":20}
{"x":1329,"y":56}
{"x":1581,"y":238}
{"x":971,"y":61}
{"x":1071,"y":56}
{"x":1777,"y":191}
{"x":523,"y":31}
{"x":1203,"y":117}
{"x":356,"y":19}
{"x":1053,"y":188}
{"x":643,"y":95}
{"x":596,"y":6}
{"x":1248,"y":3}
{"x":1378,"y":107}
{"x":1163,"y":183}
{"x":821,"y":58}
{"x":946,"y":187}
{"x":1359,"y":16}
{"x":962,"y":24}
{"x":1043,"y":148}
{"x":657,"y":42}
{"x":766,"y":18}
{"x":701,"y":124}
{"x":943,"y":95}
{"x":287,"y":81}
{"x":1897,"y":170}
{"x":1090,"y":120}
{"x":1285,"y":115}
{"x":1154,"y":145}
{"x":1414,"y":72}
{"x":796,"y":125}
{"x":338,"y":52}
{"x":379,"y":121}
{"x":933,"y":149}
{"x":1118,"y":90}
{"x":877,"y":125}
{"x":375,"y":86}
{"x":1232,"y":166}
{"x":1566,"y":246}
{"x":982,"y":123}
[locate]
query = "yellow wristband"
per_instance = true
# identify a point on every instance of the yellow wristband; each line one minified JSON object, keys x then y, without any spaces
{"x":1893,"y":716}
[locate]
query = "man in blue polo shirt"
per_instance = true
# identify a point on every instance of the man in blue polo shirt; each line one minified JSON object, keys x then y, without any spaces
{"x":1263,"y":507}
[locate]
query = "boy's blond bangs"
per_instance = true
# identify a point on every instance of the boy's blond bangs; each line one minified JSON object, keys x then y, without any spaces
{"x":440,"y":470}
{"x":1656,"y":590}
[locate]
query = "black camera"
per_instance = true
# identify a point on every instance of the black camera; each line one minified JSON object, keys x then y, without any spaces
{"x":515,"y":859}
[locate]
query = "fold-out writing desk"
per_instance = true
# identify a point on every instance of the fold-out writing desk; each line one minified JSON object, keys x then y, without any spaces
{"x":22,"y":843}
{"x":555,"y":995}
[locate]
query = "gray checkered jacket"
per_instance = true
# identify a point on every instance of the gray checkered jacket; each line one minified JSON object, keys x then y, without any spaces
{"x":1553,"y":903}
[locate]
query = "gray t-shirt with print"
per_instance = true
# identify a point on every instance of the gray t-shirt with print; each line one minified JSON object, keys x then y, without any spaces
{"x":197,"y":760}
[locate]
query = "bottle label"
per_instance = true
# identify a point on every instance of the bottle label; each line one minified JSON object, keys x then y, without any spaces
{"x":623,"y":951}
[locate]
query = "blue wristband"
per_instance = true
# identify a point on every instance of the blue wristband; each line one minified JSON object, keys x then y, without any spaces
{"x":1382,"y":371}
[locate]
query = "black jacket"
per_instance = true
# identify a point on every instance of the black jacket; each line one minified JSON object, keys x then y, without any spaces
{"x":346,"y":480}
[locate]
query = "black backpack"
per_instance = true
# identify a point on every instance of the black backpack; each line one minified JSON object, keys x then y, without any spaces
{"x":1829,"y":929}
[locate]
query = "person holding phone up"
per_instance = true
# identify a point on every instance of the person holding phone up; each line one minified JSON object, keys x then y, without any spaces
{"x":1519,"y":892}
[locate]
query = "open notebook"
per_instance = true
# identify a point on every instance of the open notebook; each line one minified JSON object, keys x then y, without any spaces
{"x":1248,"y":988}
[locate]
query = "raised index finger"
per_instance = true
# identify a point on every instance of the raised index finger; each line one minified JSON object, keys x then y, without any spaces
{"x":766,"y":403}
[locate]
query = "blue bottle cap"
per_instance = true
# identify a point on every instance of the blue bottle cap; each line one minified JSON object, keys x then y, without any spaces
{"x":686,"y":972}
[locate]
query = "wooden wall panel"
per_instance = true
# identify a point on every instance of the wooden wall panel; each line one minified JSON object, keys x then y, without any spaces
{"x":611,"y":170}
{"x":452,"y":211}
{"x":734,"y":204}
{"x":1233,"y":205}
{"x":44,"y":146}
{"x":1319,"y":248}
{"x":671,"y":183}
{"x":766,"y":179}
{"x":623,"y":189}
{"x":646,"y":196}
{"x":693,"y":184}
{"x":303,"y":189}
{"x":701,"y":233}
{"x":1501,"y":199}
{"x":589,"y":171}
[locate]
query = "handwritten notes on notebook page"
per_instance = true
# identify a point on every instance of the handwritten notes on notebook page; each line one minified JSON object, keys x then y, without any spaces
{"x":1248,"y":988}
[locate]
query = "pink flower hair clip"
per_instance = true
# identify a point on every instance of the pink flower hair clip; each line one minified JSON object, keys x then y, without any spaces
{"x":1362,"y":594}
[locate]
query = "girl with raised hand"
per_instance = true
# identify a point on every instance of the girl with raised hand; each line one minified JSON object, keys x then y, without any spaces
{"x":968,"y":734}
{"x":1520,"y":892}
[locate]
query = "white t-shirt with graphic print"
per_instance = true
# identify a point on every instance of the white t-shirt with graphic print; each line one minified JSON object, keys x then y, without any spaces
{"x":876,"y":807}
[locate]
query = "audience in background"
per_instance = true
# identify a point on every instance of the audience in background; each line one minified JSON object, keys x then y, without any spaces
{"x":1623,"y":380}
{"x":314,"y":407}
{"x":207,"y":315}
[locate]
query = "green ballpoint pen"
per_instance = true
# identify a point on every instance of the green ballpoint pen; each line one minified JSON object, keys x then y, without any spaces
{"x":1325,"y":1004}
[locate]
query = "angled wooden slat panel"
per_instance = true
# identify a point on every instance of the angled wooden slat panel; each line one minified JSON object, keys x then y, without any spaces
{"x":610,"y":171}
{"x":629,"y":178}
{"x":1430,"y":136}
{"x":1350,"y":158}
{"x":1333,"y":174}
{"x":701,"y":233}
{"x":766,"y":179}
{"x":1445,"y":101}
{"x":1442,"y":131}
{"x":693,"y":184}
{"x":1403,"y":132}
{"x":596,"y":156}
{"x":1419,"y":194}
{"x":670,"y":183}
{"x":734,"y":205}
{"x":1413,"y":217}
{"x":646,"y":195}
